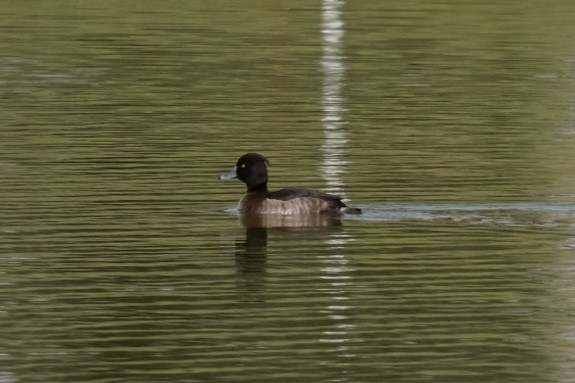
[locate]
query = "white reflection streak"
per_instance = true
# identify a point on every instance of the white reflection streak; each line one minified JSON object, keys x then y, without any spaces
{"x":336,"y":269}
{"x":333,"y":76}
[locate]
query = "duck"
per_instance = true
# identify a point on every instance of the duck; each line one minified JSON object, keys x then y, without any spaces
{"x":251,"y":169}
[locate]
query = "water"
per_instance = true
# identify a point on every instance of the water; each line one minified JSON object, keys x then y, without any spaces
{"x":450,"y":125}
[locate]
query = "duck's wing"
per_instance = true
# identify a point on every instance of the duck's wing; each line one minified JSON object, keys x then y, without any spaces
{"x":291,"y":193}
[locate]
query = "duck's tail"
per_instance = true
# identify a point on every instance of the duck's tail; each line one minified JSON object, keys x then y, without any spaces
{"x":351,"y":210}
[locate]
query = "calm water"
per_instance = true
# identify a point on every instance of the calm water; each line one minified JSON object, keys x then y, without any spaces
{"x":451,"y":124}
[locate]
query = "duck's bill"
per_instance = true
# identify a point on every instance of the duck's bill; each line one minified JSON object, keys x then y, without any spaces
{"x":229,"y":175}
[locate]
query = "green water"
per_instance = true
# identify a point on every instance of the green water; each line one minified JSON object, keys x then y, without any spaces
{"x":450,"y":124}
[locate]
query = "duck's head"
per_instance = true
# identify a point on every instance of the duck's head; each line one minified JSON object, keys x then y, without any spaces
{"x":251,"y":169}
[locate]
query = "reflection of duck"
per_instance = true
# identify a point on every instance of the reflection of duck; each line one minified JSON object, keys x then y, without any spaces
{"x":251,"y":252}
{"x":293,"y":221}
{"x":251,"y":259}
{"x":251,"y":169}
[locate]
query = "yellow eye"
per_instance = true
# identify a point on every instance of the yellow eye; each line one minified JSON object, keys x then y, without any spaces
{"x":242,"y":166}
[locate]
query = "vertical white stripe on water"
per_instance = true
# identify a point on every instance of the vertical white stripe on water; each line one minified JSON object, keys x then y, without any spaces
{"x":335,"y":269}
{"x":333,"y":163}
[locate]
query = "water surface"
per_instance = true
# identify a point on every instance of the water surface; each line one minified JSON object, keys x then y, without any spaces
{"x":450,"y":125}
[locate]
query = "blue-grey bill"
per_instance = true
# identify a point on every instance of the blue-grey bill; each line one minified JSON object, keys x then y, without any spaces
{"x":229,"y":175}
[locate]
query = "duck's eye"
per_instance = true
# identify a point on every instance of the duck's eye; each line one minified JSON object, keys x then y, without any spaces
{"x":243,"y":166}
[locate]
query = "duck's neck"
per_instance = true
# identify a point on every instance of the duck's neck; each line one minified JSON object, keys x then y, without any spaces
{"x":259,"y":188}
